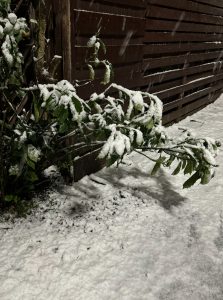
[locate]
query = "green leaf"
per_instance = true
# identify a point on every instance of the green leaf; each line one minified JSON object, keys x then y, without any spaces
{"x":32,"y":177}
{"x":63,"y":128}
{"x":107,"y":75}
{"x":178,"y":168}
{"x":189,"y":167}
{"x":36,"y":109}
{"x":92,"y":72}
{"x":100,"y":135}
{"x":11,"y":198}
{"x":170,"y":160}
{"x":62,"y":116}
{"x":205,"y":179}
{"x":112,"y":75}
{"x":13,"y":80}
{"x":103,"y":47}
{"x":184,"y":163}
{"x":192,"y":180}
{"x":156,"y":168}
{"x":78,"y":105}
{"x":112,"y":160}
{"x":157,"y":165}
{"x":31,"y":164}
{"x":150,"y":124}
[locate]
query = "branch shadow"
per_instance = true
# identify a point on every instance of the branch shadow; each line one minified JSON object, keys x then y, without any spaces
{"x":159,"y":188}
{"x":167,"y":196}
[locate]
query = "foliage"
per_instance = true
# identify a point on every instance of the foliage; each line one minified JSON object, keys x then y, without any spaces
{"x":12,"y":31}
{"x":115,"y":122}
{"x":93,"y":61}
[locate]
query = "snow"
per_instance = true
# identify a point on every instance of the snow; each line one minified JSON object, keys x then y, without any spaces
{"x":92,"y":41}
{"x":6,"y":48}
{"x":107,"y":75}
{"x":8,"y":27}
{"x":138,"y":101}
{"x":1,"y":32}
{"x":121,"y":234}
{"x":14,"y":170}
{"x":199,"y":79}
{"x":33,"y":153}
{"x":125,"y":42}
{"x":158,"y":108}
{"x":119,"y":144}
{"x":209,"y":158}
{"x":12,"y":18}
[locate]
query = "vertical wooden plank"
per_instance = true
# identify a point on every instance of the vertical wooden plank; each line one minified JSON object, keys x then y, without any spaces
{"x":57,"y":27}
{"x":66,"y":37}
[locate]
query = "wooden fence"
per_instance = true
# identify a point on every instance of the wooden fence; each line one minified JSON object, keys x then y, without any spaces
{"x":170,"y":48}
{"x":183,"y":54}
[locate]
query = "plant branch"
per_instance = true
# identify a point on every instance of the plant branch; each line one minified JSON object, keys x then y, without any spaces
{"x":143,"y":154}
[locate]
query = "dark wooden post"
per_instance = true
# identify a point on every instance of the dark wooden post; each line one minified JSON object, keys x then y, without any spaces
{"x":66,"y":37}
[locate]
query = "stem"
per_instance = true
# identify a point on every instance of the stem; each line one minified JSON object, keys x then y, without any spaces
{"x":82,"y":145}
{"x":163,"y":149}
{"x":14,"y":110}
{"x":3,"y":124}
{"x":85,"y":155}
{"x":69,"y":152}
{"x":18,"y":6}
{"x":2,"y":167}
{"x":79,"y":148}
{"x":143,"y":154}
{"x":167,"y":150}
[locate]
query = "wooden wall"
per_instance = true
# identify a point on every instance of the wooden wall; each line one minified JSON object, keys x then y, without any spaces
{"x":171,"y":48}
{"x":183,"y":53}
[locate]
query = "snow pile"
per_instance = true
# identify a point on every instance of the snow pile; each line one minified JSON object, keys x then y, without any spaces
{"x":121,"y":235}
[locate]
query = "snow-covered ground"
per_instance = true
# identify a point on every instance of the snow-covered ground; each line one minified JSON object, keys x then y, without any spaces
{"x":122,"y":234}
